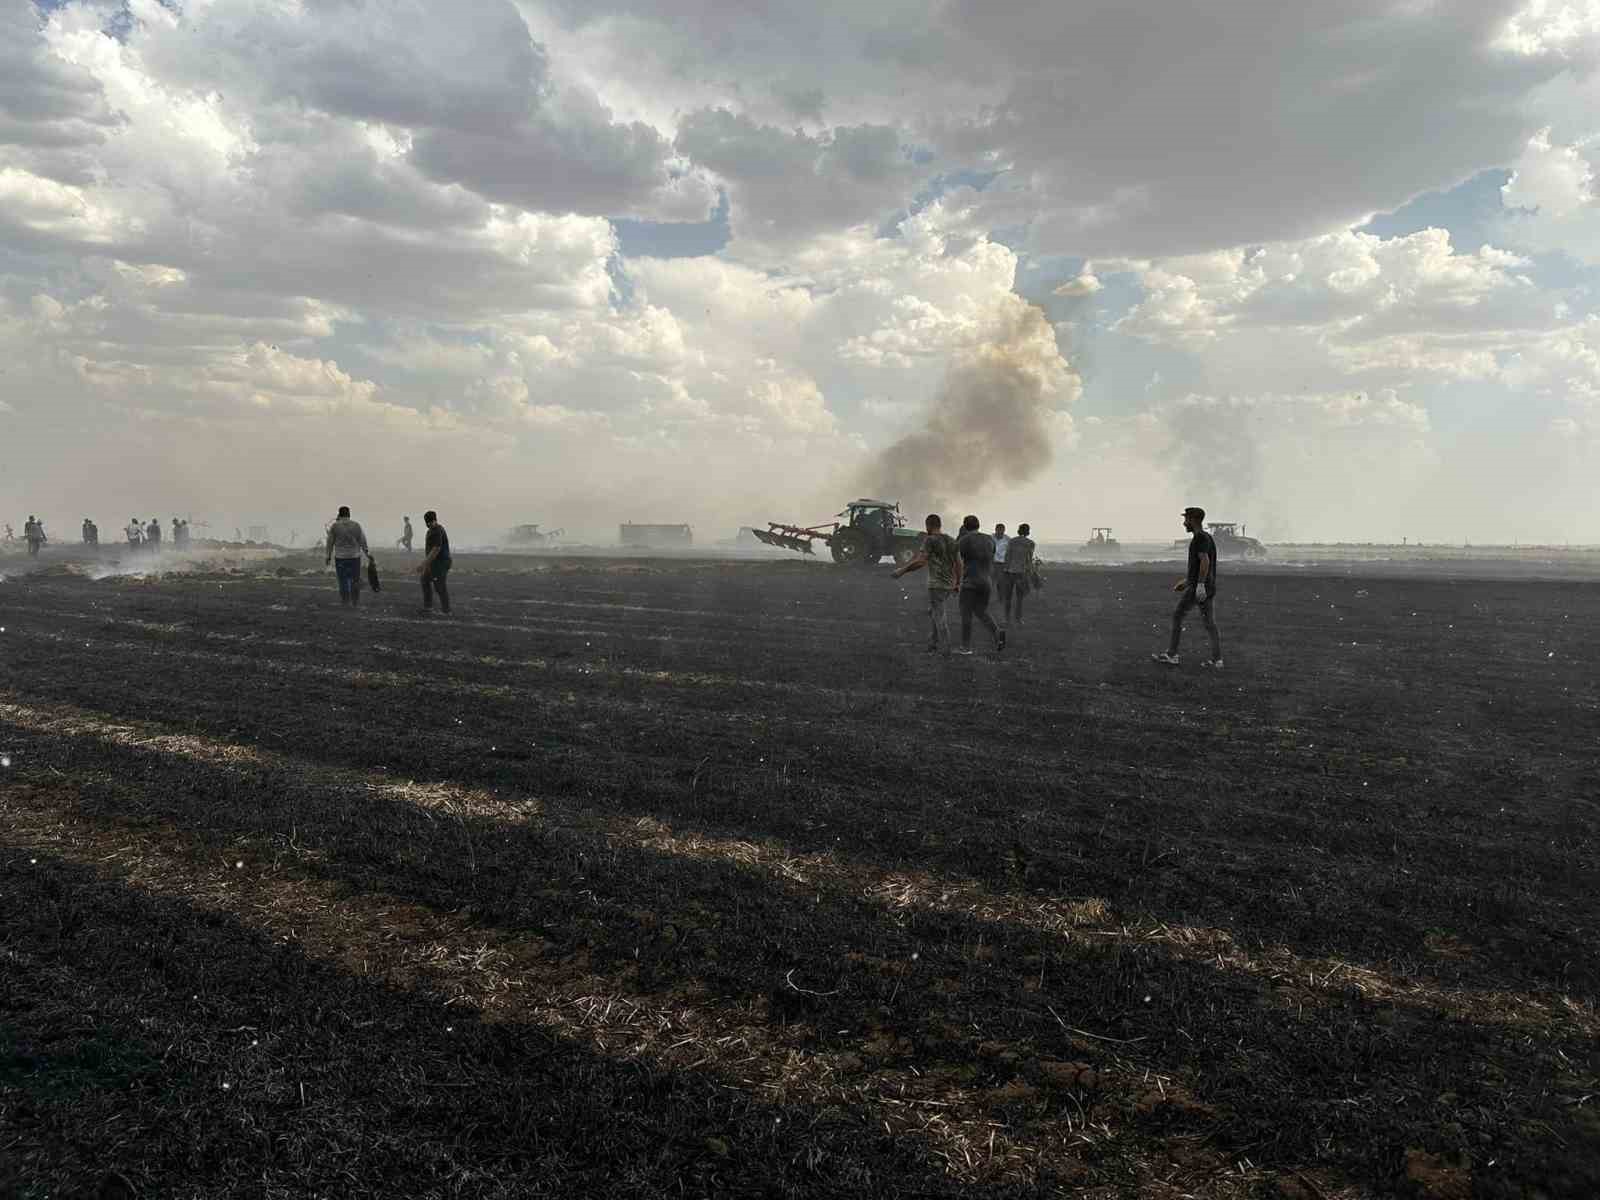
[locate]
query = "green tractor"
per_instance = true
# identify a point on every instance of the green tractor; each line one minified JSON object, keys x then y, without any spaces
{"x":869,"y":530}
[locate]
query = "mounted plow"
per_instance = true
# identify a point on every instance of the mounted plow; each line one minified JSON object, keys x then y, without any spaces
{"x":794,"y":537}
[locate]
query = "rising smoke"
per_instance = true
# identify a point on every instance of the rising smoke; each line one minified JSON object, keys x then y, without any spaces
{"x":993,"y":420}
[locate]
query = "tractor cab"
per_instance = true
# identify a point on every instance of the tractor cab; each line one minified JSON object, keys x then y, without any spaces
{"x":880,"y":518}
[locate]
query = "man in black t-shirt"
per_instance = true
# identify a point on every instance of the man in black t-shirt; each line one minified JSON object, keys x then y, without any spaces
{"x":435,"y":564}
{"x":1199,"y":588}
{"x":977,"y":572}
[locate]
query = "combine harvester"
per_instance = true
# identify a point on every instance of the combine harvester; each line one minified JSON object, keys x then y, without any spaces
{"x":870,"y":530}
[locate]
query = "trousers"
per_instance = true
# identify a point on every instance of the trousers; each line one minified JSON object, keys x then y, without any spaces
{"x":1186,"y":603}
{"x":939,"y":619}
{"x":349,"y":572}
{"x":975,"y":606}
{"x":433,"y":581}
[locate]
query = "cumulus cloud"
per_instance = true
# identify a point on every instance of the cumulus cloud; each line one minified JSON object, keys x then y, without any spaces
{"x":242,"y":229}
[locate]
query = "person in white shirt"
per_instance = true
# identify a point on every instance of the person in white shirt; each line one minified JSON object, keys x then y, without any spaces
{"x":1001,"y":544}
{"x":346,"y":544}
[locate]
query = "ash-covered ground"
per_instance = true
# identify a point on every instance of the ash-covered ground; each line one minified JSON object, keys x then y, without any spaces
{"x":644,"y":875}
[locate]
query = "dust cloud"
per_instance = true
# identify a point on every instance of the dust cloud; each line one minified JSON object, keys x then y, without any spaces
{"x":993,"y":421}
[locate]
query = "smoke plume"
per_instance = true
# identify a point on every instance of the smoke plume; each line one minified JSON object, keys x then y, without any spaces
{"x":993,"y":420}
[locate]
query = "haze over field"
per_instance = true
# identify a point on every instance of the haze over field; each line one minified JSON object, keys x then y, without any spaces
{"x":1330,"y":269}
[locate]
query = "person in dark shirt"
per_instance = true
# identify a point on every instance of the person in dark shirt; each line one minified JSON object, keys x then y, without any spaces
{"x":1199,"y":588}
{"x":435,"y":564}
{"x":977,"y":572}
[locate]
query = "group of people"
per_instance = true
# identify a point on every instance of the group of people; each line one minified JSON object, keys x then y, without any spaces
{"x":347,"y":544}
{"x":141,"y":536}
{"x":978,"y":567}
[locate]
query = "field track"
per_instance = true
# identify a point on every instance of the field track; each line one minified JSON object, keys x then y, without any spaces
{"x":659,"y":878}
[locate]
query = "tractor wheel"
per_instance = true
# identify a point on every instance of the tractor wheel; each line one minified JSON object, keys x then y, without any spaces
{"x":904,"y":554}
{"x":849,"y":548}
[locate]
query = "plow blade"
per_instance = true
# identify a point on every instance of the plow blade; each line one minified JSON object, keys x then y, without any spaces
{"x":784,"y":540}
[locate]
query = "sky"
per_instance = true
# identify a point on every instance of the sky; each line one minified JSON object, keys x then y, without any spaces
{"x":1331,"y":270}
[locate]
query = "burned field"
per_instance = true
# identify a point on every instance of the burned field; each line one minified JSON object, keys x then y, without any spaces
{"x":640,"y":879}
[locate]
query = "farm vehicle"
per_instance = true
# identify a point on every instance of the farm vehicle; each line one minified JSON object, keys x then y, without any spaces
{"x":865,"y":532}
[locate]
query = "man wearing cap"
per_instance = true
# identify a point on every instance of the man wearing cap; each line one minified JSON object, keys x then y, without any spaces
{"x":346,"y":544}
{"x":1199,"y":588}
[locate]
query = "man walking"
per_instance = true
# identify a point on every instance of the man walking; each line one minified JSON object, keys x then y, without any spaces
{"x":152,"y":536}
{"x":1019,"y":565}
{"x":1199,"y":588}
{"x":135,"y":532}
{"x":91,"y":534}
{"x":939,"y":555}
{"x":1001,"y":544}
{"x":435,"y":564}
{"x":346,"y":544}
{"x":405,"y":536}
{"x":33,"y":531}
{"x":977,"y":572}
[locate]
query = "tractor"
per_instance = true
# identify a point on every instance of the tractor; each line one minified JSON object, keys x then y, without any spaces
{"x":1101,"y":542}
{"x":866,"y":531}
{"x":1231,"y":541}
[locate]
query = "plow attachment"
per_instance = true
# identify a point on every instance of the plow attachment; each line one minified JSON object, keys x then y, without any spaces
{"x":793,"y":537}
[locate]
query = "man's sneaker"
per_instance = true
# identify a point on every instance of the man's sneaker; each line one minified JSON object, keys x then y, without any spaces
{"x":1000,"y":642}
{"x":963,"y":650}
{"x":1169,"y":660}
{"x":1214,"y":664}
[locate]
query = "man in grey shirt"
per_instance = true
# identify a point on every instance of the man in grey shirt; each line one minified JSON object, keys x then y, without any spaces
{"x":1018,"y":568}
{"x":346,"y":544}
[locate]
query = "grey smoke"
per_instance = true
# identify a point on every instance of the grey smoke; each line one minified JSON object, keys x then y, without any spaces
{"x":989,"y":422}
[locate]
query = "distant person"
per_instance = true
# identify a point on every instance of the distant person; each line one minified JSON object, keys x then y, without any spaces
{"x":346,"y":544}
{"x":183,"y":532}
{"x":1014,"y":581}
{"x":435,"y":564}
{"x":177,"y":534}
{"x":1199,"y":588}
{"x":1001,"y":542}
{"x":977,"y":573}
{"x":406,"y":535}
{"x":91,"y":533}
{"x":152,"y":536}
{"x":33,"y":532}
{"x":938,"y":554}
{"x":134,"y":532}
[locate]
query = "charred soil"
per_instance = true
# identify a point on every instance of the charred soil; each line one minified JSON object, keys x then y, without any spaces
{"x":636,"y":879}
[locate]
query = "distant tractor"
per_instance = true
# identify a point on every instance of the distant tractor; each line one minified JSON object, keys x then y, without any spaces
{"x":870,"y":530}
{"x":1232,"y":542}
{"x":1101,"y":542}
{"x":531,"y":535}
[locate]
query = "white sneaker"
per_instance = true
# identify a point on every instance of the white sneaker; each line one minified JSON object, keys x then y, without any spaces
{"x":1169,"y":660}
{"x":1214,"y":664}
{"x":963,"y":650}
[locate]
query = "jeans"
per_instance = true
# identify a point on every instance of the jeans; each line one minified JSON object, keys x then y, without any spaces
{"x":1186,"y":602}
{"x":975,"y":604}
{"x":433,"y":581}
{"x":1012,"y":590}
{"x":349,"y":572}
{"x":938,"y":619}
